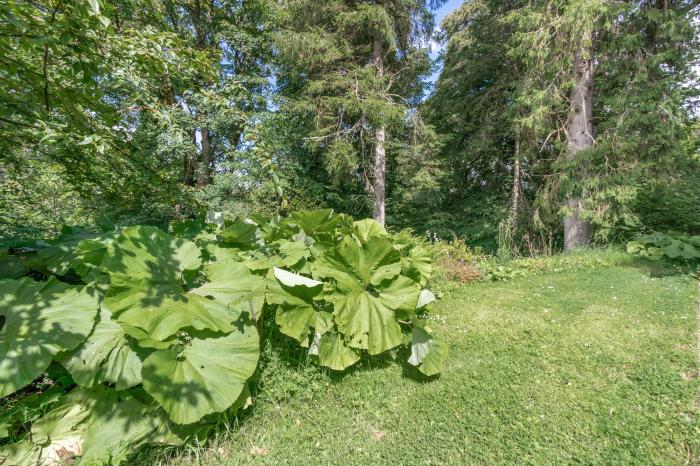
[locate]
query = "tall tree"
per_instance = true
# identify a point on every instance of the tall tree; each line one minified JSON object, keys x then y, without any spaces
{"x":218,"y":104}
{"x":355,"y":69}
{"x":596,"y":92}
{"x":480,"y":107}
{"x":579,"y":132}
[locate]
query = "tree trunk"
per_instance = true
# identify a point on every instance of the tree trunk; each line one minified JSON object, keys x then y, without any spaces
{"x":379,"y":176}
{"x":206,"y":159}
{"x":515,"y":193}
{"x":379,"y":168}
{"x":189,"y":163}
{"x":579,"y":130}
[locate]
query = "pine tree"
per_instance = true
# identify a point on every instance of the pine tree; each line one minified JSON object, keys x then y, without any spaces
{"x":354,"y":70}
{"x":596,"y":91}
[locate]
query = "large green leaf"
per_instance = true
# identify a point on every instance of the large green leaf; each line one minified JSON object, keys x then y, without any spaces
{"x":242,"y":235}
{"x":118,"y":425}
{"x":367,"y":229}
{"x":217,"y":252}
{"x":424,"y":298}
{"x":296,"y":312}
{"x":273,"y":228}
{"x":418,"y":264}
{"x":195,"y":230}
{"x":106,"y":356}
{"x":367,"y":292}
{"x":99,"y":426}
{"x":353,"y":265}
{"x":20,"y":262}
{"x":161,"y":309}
{"x":313,"y":222}
{"x":334,"y":353}
{"x":147,"y":252}
{"x":282,"y":253}
{"x":231,"y":283}
{"x":366,"y":321}
{"x":203,"y":376}
{"x":56,"y":438}
{"x":427,"y":352}
{"x":293,"y":289}
{"x":82,"y":252}
{"x":38,"y":320}
{"x":146,"y":285}
{"x":680,"y":249}
{"x":23,"y":453}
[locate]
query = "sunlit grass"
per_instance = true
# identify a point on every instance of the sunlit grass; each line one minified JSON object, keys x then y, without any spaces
{"x":596,"y":365}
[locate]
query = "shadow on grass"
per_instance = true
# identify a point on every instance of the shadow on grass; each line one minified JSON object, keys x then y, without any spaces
{"x":665,"y":267}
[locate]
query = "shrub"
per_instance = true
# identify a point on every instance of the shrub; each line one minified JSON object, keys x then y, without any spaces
{"x":156,"y":334}
{"x":672,"y":246}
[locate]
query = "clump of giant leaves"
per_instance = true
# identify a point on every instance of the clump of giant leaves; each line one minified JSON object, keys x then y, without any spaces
{"x":116,"y":340}
{"x":656,"y":246}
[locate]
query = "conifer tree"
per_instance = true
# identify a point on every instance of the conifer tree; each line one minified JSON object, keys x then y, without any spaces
{"x":596,"y":91}
{"x":353,"y":69}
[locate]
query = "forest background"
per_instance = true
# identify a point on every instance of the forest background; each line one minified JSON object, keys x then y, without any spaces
{"x":524,"y":127}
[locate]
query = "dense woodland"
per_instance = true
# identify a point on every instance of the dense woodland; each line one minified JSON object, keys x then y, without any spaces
{"x":551,"y":124}
{"x":203,"y":201}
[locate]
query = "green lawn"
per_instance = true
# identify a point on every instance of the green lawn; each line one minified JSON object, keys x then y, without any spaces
{"x":596,"y":366}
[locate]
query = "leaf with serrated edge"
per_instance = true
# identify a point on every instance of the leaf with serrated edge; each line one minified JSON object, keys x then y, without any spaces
{"x":106,"y":356}
{"x":41,"y":319}
{"x":204,"y":376}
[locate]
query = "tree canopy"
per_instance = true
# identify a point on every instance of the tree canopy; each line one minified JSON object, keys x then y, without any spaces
{"x":544,"y":118}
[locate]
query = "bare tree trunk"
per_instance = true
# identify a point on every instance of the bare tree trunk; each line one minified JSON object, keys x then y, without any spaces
{"x":379,"y":177}
{"x":206,"y":159}
{"x":579,"y":130}
{"x":379,"y":168}
{"x":515,"y":193}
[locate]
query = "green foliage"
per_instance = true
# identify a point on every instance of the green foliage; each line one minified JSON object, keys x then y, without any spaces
{"x":39,"y":320}
{"x":591,"y":365}
{"x":35,"y":202}
{"x":504,"y":95}
{"x":346,"y":70}
{"x":161,"y":331}
{"x":657,"y":245}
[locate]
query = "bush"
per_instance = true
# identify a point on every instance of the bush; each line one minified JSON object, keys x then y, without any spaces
{"x":673,"y":246}
{"x":137,"y":336}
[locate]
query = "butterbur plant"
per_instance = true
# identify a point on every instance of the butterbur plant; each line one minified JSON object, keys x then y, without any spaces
{"x":657,"y":245}
{"x":156,"y":334}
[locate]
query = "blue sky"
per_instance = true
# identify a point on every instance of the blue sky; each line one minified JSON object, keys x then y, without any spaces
{"x":446,"y":8}
{"x":439,"y":16}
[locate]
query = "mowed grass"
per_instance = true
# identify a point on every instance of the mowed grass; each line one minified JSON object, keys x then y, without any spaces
{"x":596,"y":366}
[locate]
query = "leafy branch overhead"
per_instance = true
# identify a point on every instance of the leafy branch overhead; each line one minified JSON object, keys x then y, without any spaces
{"x":164,"y":327}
